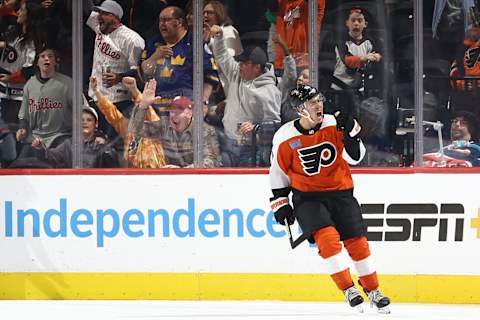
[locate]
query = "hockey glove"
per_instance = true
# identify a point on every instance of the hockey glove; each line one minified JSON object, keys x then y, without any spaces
{"x":351,"y":138}
{"x":346,"y":123}
{"x":282,"y":210}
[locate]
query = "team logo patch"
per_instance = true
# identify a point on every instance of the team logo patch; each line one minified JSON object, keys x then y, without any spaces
{"x":295,"y":144}
{"x":471,"y":57}
{"x":315,"y":157}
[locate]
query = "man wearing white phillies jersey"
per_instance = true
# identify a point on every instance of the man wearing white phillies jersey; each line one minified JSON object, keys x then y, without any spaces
{"x":116,"y":54}
{"x":310,"y":158}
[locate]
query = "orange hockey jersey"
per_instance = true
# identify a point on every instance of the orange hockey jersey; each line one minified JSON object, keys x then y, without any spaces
{"x":470,"y":67}
{"x":311,"y":162}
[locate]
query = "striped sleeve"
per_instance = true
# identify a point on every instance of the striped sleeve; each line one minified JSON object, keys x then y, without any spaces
{"x":136,"y":44}
{"x":92,"y":22}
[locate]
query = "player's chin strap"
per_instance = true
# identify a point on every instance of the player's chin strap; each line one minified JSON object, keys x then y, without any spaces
{"x":302,"y":112}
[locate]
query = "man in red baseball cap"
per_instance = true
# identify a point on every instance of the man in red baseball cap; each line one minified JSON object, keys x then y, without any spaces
{"x":180,"y":113}
{"x":175,"y":130}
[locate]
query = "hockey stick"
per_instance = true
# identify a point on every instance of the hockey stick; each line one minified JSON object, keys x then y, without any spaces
{"x":294,"y":243}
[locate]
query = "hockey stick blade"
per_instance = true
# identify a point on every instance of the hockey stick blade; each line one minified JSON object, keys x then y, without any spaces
{"x":294,"y":243}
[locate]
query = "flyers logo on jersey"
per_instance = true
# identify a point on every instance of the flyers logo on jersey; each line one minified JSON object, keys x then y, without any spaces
{"x":471,"y":57}
{"x":315,"y":157}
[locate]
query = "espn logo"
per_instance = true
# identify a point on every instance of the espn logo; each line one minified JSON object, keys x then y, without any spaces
{"x":407,"y":221}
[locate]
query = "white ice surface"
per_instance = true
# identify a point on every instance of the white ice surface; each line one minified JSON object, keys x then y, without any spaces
{"x":225,"y":310}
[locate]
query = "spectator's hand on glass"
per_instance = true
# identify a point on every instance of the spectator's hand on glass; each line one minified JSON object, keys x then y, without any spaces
{"x":148,"y":95}
{"x":37,"y":143}
{"x":246,"y":127}
{"x":21,"y":134}
{"x":216,"y":31}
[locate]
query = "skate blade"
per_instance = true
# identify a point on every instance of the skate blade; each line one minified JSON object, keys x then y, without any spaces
{"x":359,"y":308}
{"x":384,"y":310}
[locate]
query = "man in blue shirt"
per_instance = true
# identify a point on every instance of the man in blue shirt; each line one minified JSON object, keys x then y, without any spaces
{"x":169,"y":59}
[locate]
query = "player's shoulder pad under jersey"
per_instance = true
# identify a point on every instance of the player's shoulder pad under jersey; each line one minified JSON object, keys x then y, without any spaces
{"x":285,"y":132}
{"x":329,"y":120}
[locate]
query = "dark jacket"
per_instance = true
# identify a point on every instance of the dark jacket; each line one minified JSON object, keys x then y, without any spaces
{"x":94,"y":155}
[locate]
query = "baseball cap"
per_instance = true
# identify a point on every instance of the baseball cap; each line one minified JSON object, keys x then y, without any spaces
{"x":110,"y":6}
{"x":181,"y":102}
{"x":254,"y":54}
{"x":91,"y":111}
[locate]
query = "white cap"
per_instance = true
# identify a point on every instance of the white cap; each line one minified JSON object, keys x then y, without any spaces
{"x":91,"y":111}
{"x":110,"y":6}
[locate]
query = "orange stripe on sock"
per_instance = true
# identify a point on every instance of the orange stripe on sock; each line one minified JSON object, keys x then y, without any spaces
{"x":369,"y":282}
{"x":328,"y":242}
{"x":342,"y":279}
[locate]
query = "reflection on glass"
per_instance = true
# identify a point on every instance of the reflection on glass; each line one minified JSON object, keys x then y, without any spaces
{"x":451,"y":83}
{"x":358,"y":65}
{"x":42,"y":115}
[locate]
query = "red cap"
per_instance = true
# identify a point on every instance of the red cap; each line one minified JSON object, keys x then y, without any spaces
{"x":181,"y":102}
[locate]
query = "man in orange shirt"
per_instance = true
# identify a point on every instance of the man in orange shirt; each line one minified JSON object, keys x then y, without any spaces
{"x":310,"y":158}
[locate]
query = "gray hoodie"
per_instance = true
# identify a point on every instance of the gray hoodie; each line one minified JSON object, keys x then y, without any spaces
{"x":257,"y":100}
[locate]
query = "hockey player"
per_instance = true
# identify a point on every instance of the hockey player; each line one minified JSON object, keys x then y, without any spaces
{"x":310,"y":158}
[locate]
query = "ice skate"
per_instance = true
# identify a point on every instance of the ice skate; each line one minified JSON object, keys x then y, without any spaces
{"x":354,"y":298}
{"x":378,"y":300}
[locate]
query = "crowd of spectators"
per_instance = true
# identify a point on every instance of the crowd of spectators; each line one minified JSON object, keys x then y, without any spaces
{"x":254,"y":54}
